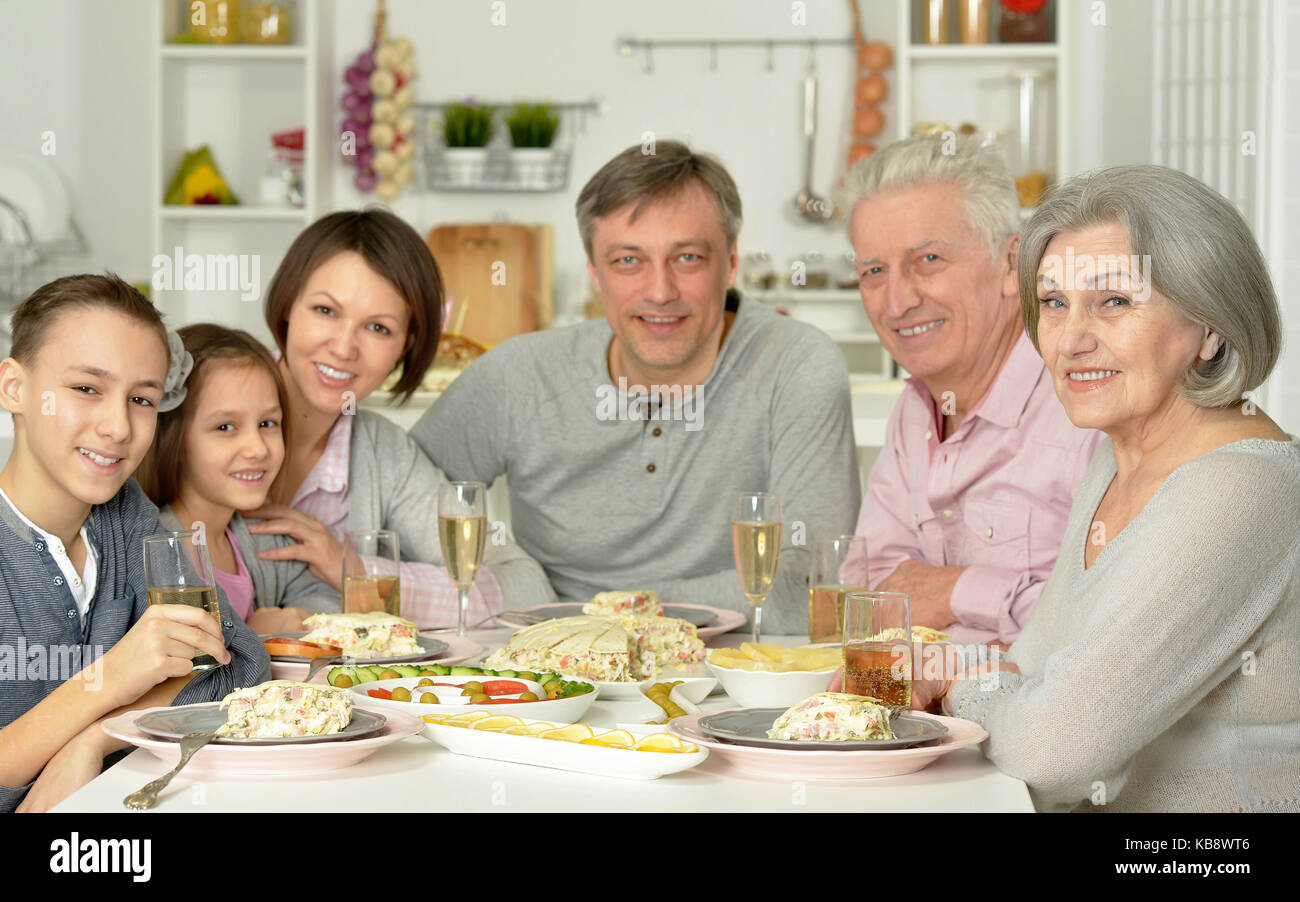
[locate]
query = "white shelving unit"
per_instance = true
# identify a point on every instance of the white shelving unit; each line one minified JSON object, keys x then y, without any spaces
{"x":838,"y":313}
{"x":232,"y":97}
{"x":956,"y":83}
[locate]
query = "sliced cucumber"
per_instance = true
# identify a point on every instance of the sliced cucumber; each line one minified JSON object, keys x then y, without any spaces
{"x":439,"y":669}
{"x":544,"y":678}
{"x":409,"y":670}
{"x":507,"y":674}
{"x":362,"y":675}
{"x":465,"y":671}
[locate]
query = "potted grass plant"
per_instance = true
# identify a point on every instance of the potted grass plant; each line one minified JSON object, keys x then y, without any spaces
{"x":466,"y":130}
{"x":532,"y":131}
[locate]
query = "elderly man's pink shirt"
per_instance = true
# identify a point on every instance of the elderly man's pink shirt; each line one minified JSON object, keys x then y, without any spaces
{"x":993,"y":498}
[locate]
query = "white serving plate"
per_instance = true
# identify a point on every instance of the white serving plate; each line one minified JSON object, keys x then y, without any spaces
{"x":555,"y":710}
{"x":588,"y":759}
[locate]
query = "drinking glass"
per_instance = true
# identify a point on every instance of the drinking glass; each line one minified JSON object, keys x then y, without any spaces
{"x":878,"y":646}
{"x":372,"y":572}
{"x":756,"y":543}
{"x":178,"y":571}
{"x":462,"y":530}
{"x":839,"y":566}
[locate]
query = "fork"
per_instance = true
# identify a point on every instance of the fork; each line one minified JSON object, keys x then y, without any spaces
{"x":147,"y":796}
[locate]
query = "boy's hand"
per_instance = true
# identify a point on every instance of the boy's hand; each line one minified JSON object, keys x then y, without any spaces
{"x":71,"y":768}
{"x":161,"y":644}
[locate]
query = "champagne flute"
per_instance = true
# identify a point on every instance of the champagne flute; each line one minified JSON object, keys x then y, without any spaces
{"x":756,"y":543}
{"x":462,"y":530}
{"x":178,"y":571}
{"x":839,"y":566}
{"x":372,"y":572}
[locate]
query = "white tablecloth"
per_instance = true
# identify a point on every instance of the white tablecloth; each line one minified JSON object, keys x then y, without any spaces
{"x":417,"y":775}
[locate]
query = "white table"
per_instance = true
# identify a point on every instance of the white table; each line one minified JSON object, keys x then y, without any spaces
{"x":417,"y":775}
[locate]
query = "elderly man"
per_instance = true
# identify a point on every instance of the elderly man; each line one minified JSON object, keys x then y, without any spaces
{"x":967,"y":503}
{"x":626,"y":440}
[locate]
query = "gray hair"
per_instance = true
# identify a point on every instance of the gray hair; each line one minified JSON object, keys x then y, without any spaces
{"x":992,"y":204}
{"x":1202,"y":256}
{"x":635,"y":175}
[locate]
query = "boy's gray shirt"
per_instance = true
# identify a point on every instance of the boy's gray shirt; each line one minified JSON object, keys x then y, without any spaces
{"x":606,"y":498}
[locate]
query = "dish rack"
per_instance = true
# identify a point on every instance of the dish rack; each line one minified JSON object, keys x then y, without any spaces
{"x":502,"y":167}
{"x":26,"y":264}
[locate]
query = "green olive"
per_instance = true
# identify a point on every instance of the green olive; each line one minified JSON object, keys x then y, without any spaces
{"x":552,"y":689}
{"x":423,"y":683}
{"x":428,"y":673}
{"x":390,"y":674}
{"x":428,"y":698}
{"x":479,"y":698}
{"x":343,"y":681}
{"x":527,"y":697}
{"x":473,"y":685}
{"x":526,"y":675}
{"x":401,"y":694}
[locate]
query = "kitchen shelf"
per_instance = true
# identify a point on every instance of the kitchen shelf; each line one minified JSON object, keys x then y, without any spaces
{"x":234,"y":52}
{"x":232,"y":212}
{"x":854,"y":338}
{"x":920,"y":52}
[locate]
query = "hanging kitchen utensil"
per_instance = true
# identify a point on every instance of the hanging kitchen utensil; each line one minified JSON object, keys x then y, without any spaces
{"x":810,"y":205}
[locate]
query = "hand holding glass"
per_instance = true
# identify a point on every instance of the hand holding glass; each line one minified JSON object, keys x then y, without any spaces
{"x":178,"y":571}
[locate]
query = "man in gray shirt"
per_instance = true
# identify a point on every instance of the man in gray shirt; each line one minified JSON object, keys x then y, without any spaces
{"x":626,"y":440}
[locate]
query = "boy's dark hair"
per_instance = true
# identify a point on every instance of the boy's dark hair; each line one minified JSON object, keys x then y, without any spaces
{"x":391,"y":248}
{"x":161,"y":471}
{"x":34,"y":316}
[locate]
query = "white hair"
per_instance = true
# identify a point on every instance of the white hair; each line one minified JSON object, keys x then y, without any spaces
{"x":979,"y":170}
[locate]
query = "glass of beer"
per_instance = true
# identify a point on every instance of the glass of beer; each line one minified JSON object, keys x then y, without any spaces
{"x":178,"y":571}
{"x":371,"y":575}
{"x":839,"y":566}
{"x":878,"y":646}
{"x":756,"y":544}
{"x":462,"y":530}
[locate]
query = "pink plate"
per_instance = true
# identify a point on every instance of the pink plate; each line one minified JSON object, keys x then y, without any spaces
{"x":726,"y":620}
{"x":459,"y":648}
{"x":254,"y":760}
{"x":788,"y":764}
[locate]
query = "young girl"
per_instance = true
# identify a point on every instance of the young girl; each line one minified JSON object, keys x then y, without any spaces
{"x":220,"y":452}
{"x":357,"y":294}
{"x":90,"y":366}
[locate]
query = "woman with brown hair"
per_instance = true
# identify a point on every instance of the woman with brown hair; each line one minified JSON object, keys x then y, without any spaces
{"x":357,"y":294}
{"x":220,"y":451}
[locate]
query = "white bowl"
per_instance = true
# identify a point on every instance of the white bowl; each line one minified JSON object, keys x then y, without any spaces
{"x":765,"y":689}
{"x":554,"y":710}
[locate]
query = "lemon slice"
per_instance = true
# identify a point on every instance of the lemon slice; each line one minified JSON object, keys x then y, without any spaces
{"x":499,"y":722}
{"x":614,"y":739}
{"x":528,"y":729}
{"x":574,"y":732}
{"x":663,"y":742}
{"x":457,"y":720}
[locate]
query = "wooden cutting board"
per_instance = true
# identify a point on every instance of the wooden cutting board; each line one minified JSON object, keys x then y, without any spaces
{"x":501,"y":273}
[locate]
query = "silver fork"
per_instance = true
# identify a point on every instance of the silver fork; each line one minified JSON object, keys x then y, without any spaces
{"x":147,"y":796}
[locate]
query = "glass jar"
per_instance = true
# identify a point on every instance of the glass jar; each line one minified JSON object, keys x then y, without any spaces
{"x":214,"y":21}
{"x":758,"y":274}
{"x":266,"y":23}
{"x":934,"y":21}
{"x":1025,"y":22}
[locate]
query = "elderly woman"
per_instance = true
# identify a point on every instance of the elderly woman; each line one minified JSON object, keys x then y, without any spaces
{"x":1159,"y":670}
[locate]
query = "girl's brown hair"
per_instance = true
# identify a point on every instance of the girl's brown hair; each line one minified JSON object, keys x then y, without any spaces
{"x":392,"y":249}
{"x":34,"y":316}
{"x":162,"y":470}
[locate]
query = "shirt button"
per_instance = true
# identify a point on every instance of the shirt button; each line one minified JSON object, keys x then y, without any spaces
{"x":928,"y":433}
{"x":71,"y":614}
{"x":76,"y":581}
{"x":58,"y":580}
{"x":657,"y":432}
{"x":40,"y":546}
{"x":990,"y":532}
{"x":947,"y":515}
{"x":649,"y":468}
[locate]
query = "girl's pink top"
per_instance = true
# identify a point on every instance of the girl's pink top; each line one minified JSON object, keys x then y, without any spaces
{"x":238,"y":586}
